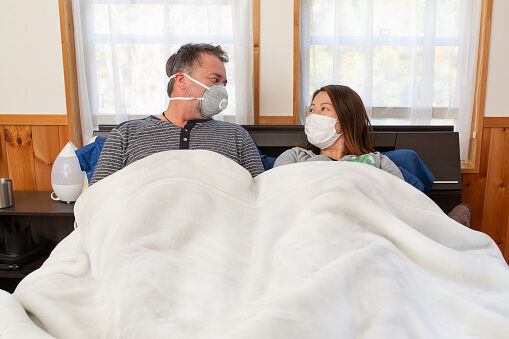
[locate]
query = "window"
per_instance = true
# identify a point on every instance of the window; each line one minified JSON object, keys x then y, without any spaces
{"x":411,"y":61}
{"x":123,"y":45}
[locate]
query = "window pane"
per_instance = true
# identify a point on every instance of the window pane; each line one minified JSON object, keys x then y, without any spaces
{"x":205,"y":20}
{"x":446,"y":70}
{"x":104,"y":76}
{"x":398,"y":17}
{"x":353,"y":17}
{"x":322,"y":17}
{"x":137,"y":19}
{"x":100,"y":18}
{"x":141,"y":76}
{"x":320,"y":67}
{"x":132,"y":41}
{"x":352,"y":65}
{"x":448,"y":18}
{"x":392,"y":76}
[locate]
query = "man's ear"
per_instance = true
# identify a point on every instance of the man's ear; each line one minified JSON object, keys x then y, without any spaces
{"x":180,"y":81}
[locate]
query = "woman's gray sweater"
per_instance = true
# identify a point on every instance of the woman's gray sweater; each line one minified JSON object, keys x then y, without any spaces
{"x":298,"y":154}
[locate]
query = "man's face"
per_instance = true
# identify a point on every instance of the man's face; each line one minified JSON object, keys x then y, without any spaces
{"x":210,"y":71}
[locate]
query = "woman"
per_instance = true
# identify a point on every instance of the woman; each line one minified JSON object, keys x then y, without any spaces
{"x":338,"y":128}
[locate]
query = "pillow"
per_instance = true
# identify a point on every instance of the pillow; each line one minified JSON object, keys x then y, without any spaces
{"x":415,"y":172}
{"x":89,"y":155}
{"x":268,"y":162}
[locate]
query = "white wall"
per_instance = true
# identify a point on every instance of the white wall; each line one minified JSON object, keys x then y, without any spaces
{"x":31,"y":68}
{"x":497,"y":88}
{"x":276,"y":57}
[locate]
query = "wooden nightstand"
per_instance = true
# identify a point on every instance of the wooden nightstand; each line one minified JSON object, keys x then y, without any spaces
{"x":29,"y":230}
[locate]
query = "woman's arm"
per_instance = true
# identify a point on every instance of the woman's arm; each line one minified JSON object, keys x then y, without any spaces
{"x":289,"y":156}
{"x":387,"y":165}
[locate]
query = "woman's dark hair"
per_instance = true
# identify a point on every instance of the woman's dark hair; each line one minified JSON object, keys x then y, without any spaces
{"x":188,"y":57}
{"x":352,"y":118}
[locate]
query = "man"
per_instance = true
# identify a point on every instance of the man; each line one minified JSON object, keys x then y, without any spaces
{"x":196,"y":90}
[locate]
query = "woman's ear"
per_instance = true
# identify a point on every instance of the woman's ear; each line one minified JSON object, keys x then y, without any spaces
{"x":338,"y":127}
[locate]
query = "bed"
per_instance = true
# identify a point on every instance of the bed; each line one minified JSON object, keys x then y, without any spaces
{"x":437,"y":146}
{"x":185,"y":244}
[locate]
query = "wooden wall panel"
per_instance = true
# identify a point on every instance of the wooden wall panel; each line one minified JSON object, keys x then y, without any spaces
{"x":474,"y":184}
{"x":487,"y":192}
{"x":46,"y":146}
{"x":20,"y":158}
{"x":28,"y":153}
{"x":496,"y":202}
{"x":63,"y":136}
{"x":4,"y":167}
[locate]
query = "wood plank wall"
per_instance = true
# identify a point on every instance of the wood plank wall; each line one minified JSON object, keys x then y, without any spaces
{"x":487,"y":192}
{"x":28,"y":152}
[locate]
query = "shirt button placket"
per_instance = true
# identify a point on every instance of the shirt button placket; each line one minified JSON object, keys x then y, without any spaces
{"x":184,"y":137}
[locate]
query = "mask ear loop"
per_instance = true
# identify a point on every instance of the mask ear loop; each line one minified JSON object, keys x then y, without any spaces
{"x":185,"y":98}
{"x":196,"y":81}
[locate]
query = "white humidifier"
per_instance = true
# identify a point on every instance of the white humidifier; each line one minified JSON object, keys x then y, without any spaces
{"x":66,"y":175}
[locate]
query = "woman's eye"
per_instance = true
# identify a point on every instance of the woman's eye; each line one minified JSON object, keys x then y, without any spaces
{"x":325,"y":108}
{"x":311,"y":110}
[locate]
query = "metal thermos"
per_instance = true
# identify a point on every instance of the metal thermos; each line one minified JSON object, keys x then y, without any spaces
{"x":6,"y":199}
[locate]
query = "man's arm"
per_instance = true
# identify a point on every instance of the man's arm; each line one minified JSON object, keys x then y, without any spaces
{"x":112,"y":156}
{"x":250,"y":158}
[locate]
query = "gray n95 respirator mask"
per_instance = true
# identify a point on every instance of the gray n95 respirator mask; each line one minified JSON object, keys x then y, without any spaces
{"x":214,"y":98}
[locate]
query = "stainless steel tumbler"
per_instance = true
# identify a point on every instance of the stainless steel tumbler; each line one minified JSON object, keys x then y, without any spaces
{"x":6,"y":199}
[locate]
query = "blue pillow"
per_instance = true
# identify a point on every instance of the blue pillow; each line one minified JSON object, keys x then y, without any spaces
{"x":268,"y":162}
{"x":415,"y":172}
{"x":89,"y":155}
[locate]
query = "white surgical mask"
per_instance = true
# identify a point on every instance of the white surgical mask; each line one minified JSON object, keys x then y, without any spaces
{"x":214,"y":98}
{"x":321,"y":130}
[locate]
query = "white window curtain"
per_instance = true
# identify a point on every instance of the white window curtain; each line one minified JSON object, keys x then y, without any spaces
{"x":412,"y":61}
{"x":122,"y":47}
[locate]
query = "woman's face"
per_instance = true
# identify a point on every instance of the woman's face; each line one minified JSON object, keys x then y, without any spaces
{"x":323,"y":105}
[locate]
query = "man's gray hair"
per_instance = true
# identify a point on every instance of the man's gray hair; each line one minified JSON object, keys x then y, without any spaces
{"x":188,"y":57}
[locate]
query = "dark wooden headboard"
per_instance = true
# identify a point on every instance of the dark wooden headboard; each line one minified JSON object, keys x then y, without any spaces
{"x":437,"y":146}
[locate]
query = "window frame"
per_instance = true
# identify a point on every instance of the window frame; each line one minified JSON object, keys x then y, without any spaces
{"x":70,"y":68}
{"x":472,"y":164}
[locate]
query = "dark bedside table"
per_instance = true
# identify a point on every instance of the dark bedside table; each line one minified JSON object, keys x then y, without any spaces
{"x":29,"y":230}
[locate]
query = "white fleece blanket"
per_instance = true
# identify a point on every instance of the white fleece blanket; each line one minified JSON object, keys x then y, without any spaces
{"x":185,"y":244}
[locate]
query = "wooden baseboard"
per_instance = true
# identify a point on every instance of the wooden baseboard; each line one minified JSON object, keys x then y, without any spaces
{"x":33,"y":119}
{"x":496,"y":122}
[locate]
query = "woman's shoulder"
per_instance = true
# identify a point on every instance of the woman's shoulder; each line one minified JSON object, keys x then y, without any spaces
{"x":389,"y":166}
{"x":298,"y":150}
{"x":293,"y":155}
